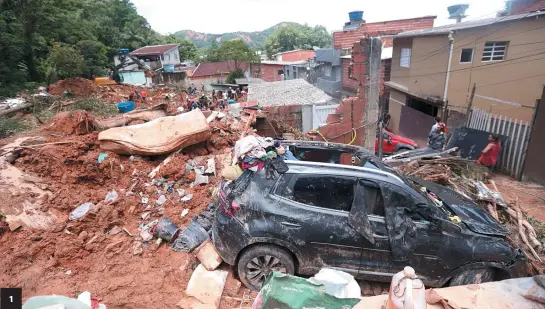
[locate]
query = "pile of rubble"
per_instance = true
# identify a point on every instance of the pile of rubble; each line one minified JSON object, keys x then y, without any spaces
{"x":473,"y":181}
{"x":85,"y":211}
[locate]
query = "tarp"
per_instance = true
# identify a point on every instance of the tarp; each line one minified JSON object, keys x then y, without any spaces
{"x":160,"y":136}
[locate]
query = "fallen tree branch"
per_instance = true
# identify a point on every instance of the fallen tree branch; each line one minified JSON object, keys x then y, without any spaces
{"x":16,"y":109}
{"x":521,"y":231}
{"x":492,"y":210}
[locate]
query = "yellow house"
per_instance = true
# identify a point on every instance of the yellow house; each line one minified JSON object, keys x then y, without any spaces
{"x":504,"y":57}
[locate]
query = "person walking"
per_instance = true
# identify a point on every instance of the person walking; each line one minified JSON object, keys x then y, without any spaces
{"x":437,"y":137}
{"x":490,"y":153}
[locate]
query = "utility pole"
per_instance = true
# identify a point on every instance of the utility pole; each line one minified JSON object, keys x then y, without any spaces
{"x":445,"y":112}
{"x":470,"y":103}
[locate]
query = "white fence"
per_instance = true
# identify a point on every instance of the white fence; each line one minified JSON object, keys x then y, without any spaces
{"x":517,"y":131}
{"x":319,"y":114}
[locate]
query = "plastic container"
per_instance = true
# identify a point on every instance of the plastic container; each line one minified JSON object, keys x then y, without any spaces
{"x":406,"y":291}
{"x":355,"y":16}
{"x":124,"y":107}
{"x":231,"y":101}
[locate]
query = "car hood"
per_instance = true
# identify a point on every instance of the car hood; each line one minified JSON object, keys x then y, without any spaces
{"x":403,"y":140}
{"x":473,"y":216}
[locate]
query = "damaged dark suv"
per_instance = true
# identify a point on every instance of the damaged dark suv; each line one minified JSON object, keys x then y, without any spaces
{"x":364,"y":219}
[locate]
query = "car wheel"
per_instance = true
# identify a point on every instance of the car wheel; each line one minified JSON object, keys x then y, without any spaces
{"x":473,"y":276}
{"x":255,"y":264}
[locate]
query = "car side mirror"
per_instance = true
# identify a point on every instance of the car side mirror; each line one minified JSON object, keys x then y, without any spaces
{"x":389,"y":141}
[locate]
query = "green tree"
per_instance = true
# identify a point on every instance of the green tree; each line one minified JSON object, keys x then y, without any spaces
{"x":231,"y":78}
{"x":65,"y":61}
{"x":238,"y":51}
{"x":212,"y":53}
{"x":94,"y":57}
{"x":295,"y":36}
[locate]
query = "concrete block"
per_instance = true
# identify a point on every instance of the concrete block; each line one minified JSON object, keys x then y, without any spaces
{"x":208,"y":256}
{"x":207,"y":286}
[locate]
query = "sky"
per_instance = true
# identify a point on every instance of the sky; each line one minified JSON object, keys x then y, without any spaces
{"x":220,"y":16}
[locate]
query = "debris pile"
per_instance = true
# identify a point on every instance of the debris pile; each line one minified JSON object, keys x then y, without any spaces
{"x":77,"y":86}
{"x":468,"y":179}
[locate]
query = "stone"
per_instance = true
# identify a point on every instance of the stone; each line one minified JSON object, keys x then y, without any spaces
{"x":207,"y":286}
{"x":232,"y":286}
{"x":14,"y":225}
{"x":208,"y":256}
{"x":137,"y":248}
{"x":83,"y":235}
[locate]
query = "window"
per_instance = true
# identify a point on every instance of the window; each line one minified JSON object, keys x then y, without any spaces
{"x":346,"y":51}
{"x":280,"y":72}
{"x":373,"y":198}
{"x":494,"y":51}
{"x":467,"y":55}
{"x":327,"y":71}
{"x":331,"y":192}
{"x":405,"y":59}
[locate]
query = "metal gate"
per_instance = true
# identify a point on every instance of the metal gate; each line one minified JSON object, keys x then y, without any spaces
{"x":517,"y":131}
{"x":320,"y":113}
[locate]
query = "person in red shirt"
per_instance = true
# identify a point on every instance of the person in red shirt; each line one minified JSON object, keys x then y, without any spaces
{"x":490,"y":153}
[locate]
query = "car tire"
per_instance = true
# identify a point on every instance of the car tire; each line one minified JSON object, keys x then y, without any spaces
{"x":473,"y":276}
{"x":256,"y":263}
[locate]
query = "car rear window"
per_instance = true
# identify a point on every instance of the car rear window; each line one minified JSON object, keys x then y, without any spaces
{"x":331,"y":192}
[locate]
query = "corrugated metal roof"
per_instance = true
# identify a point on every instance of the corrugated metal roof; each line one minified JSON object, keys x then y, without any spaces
{"x":287,"y":92}
{"x":215,"y":68}
{"x":466,"y":25}
{"x":250,"y":80}
{"x":283,"y":62}
{"x":154,"y":50}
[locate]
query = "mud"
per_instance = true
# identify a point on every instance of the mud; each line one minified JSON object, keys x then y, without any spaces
{"x":96,"y":252}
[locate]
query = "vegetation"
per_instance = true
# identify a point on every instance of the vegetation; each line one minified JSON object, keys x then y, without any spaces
{"x":235,"y":50}
{"x":10,"y":126}
{"x":297,"y":36}
{"x":231,"y":78}
{"x":95,"y":107}
{"x":47,"y":39}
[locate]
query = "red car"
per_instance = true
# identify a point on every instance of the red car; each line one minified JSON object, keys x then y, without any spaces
{"x":392,"y":144}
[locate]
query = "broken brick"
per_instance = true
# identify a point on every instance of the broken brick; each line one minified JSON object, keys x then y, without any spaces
{"x":208,"y":256}
{"x":207,"y":286}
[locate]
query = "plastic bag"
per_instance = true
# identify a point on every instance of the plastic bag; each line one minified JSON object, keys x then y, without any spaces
{"x":301,"y":294}
{"x":190,"y":238}
{"x":337,"y":283}
{"x":111,"y":196}
{"x":80,"y":211}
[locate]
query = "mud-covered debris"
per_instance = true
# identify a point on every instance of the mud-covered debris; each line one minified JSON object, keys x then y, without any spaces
{"x":185,"y":212}
{"x":161,"y":200}
{"x":187,"y":198}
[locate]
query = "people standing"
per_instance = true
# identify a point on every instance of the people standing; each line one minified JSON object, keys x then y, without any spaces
{"x":437,"y":137}
{"x":490,"y":153}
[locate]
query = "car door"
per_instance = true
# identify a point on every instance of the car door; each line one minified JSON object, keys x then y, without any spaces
{"x":425,"y":258}
{"x":313,"y":210}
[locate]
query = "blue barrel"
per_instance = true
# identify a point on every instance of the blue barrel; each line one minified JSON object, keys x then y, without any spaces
{"x":125,"y":107}
{"x":355,"y":16}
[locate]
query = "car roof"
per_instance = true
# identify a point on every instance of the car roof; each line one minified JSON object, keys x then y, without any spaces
{"x":307,"y":167}
{"x":329,"y":146}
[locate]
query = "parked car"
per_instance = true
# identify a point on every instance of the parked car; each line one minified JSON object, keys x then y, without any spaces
{"x":364,"y":219}
{"x":393,"y":144}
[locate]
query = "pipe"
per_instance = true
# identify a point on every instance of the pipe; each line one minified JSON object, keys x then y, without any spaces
{"x":451,"y":39}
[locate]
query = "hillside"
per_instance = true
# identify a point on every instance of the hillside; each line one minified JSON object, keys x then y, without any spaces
{"x":254,"y":39}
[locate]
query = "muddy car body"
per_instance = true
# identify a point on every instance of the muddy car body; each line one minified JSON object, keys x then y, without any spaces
{"x":367,"y":221}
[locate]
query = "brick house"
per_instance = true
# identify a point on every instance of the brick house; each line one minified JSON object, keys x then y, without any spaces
{"x":209,"y":73}
{"x":295,"y":55}
{"x":354,"y":31}
{"x":515,"y":7}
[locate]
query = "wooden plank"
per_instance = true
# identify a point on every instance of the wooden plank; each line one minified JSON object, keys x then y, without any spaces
{"x":493,"y":125}
{"x":471,"y":122}
{"x":480,"y":122}
{"x":508,"y":126}
{"x":522,"y":152}
{"x":488,"y":122}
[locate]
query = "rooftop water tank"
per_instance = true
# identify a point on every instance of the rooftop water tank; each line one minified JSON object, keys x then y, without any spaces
{"x":355,"y":16}
{"x":457,"y":11}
